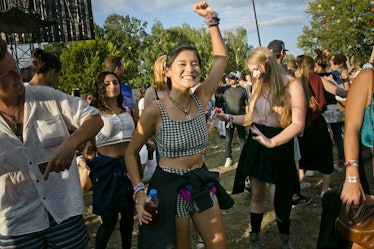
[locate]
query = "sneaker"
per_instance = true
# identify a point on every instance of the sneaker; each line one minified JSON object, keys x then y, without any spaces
{"x":309,"y":173}
{"x":228,"y":162}
{"x":323,"y":192}
{"x":285,"y":241}
{"x":247,"y":187}
{"x":200,"y":243}
{"x":254,"y":239}
{"x":305,"y":185}
{"x":299,"y":200}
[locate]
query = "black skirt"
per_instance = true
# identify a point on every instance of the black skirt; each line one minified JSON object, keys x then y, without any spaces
{"x":316,"y":148}
{"x":272,"y":165}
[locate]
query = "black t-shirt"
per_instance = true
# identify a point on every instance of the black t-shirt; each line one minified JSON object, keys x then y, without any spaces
{"x":236,"y":100}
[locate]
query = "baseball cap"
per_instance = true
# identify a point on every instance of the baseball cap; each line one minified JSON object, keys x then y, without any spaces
{"x":235,"y":74}
{"x":276,"y":46}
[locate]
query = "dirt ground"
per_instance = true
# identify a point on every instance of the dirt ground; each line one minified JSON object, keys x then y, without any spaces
{"x":305,"y":220}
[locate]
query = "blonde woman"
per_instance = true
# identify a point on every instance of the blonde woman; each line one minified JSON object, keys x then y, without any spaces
{"x":276,"y":115}
{"x":160,"y":87}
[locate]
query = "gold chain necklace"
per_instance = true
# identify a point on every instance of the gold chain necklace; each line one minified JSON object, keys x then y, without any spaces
{"x":180,"y":107}
{"x":17,"y":124}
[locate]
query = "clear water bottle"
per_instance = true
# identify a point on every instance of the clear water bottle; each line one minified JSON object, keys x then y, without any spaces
{"x":151,"y":205}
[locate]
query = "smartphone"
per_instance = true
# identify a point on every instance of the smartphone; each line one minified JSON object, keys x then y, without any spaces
{"x":43,"y":166}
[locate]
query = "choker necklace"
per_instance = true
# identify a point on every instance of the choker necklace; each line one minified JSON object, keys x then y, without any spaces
{"x":16,"y":122}
{"x":180,"y":107}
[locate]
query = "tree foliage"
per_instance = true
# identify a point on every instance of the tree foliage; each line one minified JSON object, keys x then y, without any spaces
{"x":82,"y":61}
{"x":127,"y":37}
{"x":237,"y":46}
{"x":343,"y":26}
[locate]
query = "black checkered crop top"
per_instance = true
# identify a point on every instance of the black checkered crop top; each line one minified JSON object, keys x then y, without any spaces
{"x":182,"y":138}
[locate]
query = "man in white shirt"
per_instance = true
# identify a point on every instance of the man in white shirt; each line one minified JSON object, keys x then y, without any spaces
{"x":41,"y":202}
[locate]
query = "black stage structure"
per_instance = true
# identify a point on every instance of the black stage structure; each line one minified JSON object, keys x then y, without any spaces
{"x":51,"y":21}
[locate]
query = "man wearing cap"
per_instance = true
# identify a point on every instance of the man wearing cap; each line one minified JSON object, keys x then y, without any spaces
{"x":235,"y":102}
{"x":279,"y":50}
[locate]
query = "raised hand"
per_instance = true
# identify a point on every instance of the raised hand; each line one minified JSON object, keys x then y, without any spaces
{"x":203,"y":9}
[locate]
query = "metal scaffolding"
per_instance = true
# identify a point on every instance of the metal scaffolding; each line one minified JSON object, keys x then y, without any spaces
{"x":73,"y":22}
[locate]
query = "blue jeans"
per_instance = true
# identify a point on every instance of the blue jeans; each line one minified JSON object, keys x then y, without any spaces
{"x":229,"y":135}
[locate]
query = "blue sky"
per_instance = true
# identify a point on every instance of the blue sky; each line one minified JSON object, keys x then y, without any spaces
{"x":277,"y":19}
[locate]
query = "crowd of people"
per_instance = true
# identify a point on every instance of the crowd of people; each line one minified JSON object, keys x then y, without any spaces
{"x":285,"y":118}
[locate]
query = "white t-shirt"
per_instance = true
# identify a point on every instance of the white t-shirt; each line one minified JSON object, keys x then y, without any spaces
{"x":141,"y":104}
{"x":151,"y":164}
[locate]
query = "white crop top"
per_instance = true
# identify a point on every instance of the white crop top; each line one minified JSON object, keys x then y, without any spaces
{"x":116,"y":129}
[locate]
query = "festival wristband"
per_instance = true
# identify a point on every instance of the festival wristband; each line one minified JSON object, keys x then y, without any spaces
{"x":137,"y":188}
{"x":349,"y":163}
{"x":211,"y":19}
{"x":352,"y":179}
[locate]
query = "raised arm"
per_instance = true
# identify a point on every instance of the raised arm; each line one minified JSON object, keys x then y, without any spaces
{"x":333,"y":88}
{"x":209,"y":86}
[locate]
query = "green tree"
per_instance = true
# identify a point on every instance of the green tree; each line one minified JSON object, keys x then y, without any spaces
{"x":99,"y":31}
{"x":129,"y":35}
{"x":81,"y":63}
{"x":237,"y":47}
{"x":156,"y":44}
{"x":55,"y":47}
{"x":126,"y":37}
{"x":343,"y":26}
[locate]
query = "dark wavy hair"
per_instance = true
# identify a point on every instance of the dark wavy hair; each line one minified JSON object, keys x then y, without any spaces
{"x":175,"y":52}
{"x":43,"y":61}
{"x":321,"y":60}
{"x":100,"y":101}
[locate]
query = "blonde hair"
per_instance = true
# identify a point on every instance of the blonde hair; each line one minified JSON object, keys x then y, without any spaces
{"x":158,"y":71}
{"x":272,"y":79}
{"x":307,"y":67}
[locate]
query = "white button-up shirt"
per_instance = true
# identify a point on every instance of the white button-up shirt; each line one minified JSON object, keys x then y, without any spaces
{"x":25,"y":198}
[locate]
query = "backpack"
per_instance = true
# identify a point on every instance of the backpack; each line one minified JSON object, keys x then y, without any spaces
{"x":317,"y":103}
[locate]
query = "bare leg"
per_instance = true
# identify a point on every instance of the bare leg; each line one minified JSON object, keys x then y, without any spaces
{"x":209,"y":225}
{"x":258,"y":192}
{"x":183,"y":233}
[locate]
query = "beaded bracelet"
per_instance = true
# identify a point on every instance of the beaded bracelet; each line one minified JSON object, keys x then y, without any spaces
{"x":353,"y":179}
{"x":351,"y":163}
{"x":138,"y":187}
{"x":212,"y":20}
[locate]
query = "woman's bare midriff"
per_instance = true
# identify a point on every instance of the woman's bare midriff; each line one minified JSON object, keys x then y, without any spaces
{"x":114,"y":150}
{"x":187,"y":162}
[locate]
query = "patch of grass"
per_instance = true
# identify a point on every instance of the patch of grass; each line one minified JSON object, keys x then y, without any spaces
{"x":305,"y":220}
